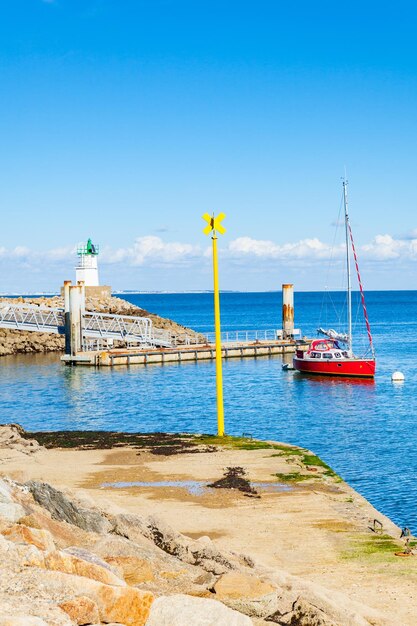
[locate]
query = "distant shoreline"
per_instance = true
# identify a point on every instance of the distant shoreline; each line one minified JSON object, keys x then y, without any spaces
{"x":196,"y":292}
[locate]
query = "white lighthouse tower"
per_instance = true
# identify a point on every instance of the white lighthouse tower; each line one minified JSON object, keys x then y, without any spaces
{"x":87,"y":269}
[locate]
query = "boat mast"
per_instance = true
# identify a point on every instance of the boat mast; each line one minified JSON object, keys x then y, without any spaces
{"x":349,"y":287}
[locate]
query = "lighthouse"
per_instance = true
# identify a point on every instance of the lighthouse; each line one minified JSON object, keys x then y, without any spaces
{"x":87,"y":269}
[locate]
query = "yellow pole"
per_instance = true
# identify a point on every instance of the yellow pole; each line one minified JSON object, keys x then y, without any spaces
{"x":219,"y":371}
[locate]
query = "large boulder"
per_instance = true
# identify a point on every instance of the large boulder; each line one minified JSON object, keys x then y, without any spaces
{"x":20,"y":533}
{"x":235,"y":585}
{"x":81,"y":610}
{"x":182,"y":610}
{"x":134,"y":569}
{"x":70,"y":564}
{"x":10,"y":511}
{"x":63,"y":509}
{"x":11,"y":437}
{"x":148,"y":565}
{"x":304,"y":603}
{"x":63,"y":533}
{"x":91,"y":557}
{"x":121,"y":604}
{"x":206,"y":556}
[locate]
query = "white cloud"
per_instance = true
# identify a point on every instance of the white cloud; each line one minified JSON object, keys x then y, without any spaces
{"x":256,"y":247}
{"x":20,"y":252}
{"x":385,"y":248}
{"x":61,"y":254}
{"x":381,"y":248}
{"x":151,"y":249}
{"x":303,"y":249}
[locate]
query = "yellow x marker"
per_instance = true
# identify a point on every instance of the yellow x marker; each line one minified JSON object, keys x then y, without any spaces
{"x":214,"y":223}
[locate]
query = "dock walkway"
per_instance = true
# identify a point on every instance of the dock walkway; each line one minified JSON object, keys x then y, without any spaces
{"x":200,"y":352}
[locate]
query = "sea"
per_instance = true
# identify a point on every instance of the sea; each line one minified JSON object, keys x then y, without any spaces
{"x":365,"y":430}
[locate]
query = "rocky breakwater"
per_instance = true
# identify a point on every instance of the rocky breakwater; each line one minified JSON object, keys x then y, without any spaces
{"x":22,"y":342}
{"x":65,"y":561}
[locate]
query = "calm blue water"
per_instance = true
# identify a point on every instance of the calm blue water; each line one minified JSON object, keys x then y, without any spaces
{"x":365,"y":430}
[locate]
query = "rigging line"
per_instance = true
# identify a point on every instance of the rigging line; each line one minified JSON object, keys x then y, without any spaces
{"x":368,"y":327}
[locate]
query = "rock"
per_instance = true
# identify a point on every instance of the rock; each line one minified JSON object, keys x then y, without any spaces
{"x":286,"y":605}
{"x":61,"y":508}
{"x":90,"y":557}
{"x":19,"y":533}
{"x":30,"y":556}
{"x":205,"y":540}
{"x":21,"y":620}
{"x":81,"y":610}
{"x":64,"y":534}
{"x":170,"y":574}
{"x":5,"y":492}
{"x":250,"y":595}
{"x":127,"y":605}
{"x":134,"y":569}
{"x":115,"y":545}
{"x":187,"y":550}
{"x":305,"y":603}
{"x":235,"y":585}
{"x":69,"y":564}
{"x":304,"y":614}
{"x":182,"y":610}
{"x":11,"y":437}
{"x":205,"y":579}
{"x":11,"y":512}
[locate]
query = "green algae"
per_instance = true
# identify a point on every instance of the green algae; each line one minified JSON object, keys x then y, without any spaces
{"x":375,"y":547}
{"x":312,"y":460}
{"x":308,"y":460}
{"x":239,"y":443}
{"x":292,"y":477}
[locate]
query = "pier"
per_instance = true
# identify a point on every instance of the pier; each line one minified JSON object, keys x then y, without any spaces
{"x":179,"y":354}
{"x":102,"y":339}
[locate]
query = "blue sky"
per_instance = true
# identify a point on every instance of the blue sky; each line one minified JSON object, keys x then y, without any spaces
{"x":126,"y":121}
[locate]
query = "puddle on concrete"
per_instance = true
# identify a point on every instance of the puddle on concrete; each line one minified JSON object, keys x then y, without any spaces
{"x":271,"y":487}
{"x":194,"y":487}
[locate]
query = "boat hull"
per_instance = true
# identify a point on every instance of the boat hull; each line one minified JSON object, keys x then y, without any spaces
{"x":352,"y":368}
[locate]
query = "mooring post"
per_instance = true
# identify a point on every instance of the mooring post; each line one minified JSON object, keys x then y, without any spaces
{"x":287,"y":311}
{"x":67,"y":284}
{"x":75,"y":319}
{"x":81,"y":285}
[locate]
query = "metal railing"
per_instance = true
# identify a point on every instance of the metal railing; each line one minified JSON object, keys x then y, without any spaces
{"x":246,"y":336}
{"x":21,"y":316}
{"x":123,"y":328}
{"x":95,"y":325}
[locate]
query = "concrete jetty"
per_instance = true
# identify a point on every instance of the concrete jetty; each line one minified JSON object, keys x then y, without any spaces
{"x":179,"y":354}
{"x":260,"y":528}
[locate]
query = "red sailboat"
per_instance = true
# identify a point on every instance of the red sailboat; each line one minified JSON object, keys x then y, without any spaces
{"x":333,"y":355}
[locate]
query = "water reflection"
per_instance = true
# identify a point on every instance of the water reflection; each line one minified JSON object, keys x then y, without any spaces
{"x":329,"y":381}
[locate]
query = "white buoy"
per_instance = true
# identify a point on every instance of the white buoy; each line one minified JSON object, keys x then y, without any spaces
{"x":397,"y":377}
